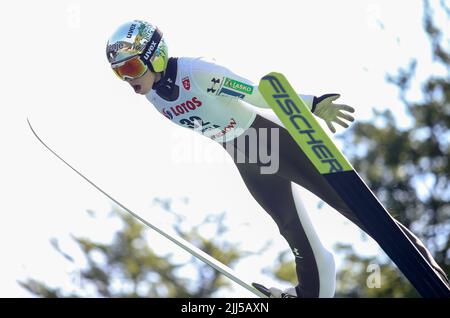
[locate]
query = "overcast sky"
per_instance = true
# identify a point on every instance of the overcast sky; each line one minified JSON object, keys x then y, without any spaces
{"x":56,"y":73}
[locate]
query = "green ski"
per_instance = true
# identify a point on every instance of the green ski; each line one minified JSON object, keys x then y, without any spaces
{"x":337,"y":171}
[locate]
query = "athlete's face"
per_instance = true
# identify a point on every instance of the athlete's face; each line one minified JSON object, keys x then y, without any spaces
{"x":143,"y":84}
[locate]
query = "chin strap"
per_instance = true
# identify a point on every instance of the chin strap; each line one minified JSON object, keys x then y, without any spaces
{"x":166,"y":87}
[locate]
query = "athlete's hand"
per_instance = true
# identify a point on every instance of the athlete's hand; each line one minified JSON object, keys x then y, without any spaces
{"x":331,"y":112}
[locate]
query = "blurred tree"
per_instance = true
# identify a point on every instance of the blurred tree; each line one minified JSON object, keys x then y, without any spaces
{"x":408,"y":170}
{"x":127,"y":267}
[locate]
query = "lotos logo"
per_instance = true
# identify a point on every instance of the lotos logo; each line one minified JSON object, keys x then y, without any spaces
{"x":182,"y":108}
{"x":186,"y":83}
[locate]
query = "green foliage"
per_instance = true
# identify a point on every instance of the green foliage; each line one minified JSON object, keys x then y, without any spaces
{"x":127,"y":267}
{"x":354,"y":277}
{"x":409,"y":171}
{"x":285,"y":268}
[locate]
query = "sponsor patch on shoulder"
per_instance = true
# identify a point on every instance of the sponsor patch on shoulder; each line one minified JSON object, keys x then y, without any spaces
{"x":238,"y":86}
{"x":229,"y":87}
{"x":186,"y":83}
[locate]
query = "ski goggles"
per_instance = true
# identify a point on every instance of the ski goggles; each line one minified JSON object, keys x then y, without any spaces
{"x":136,"y":66}
{"x":130,"y":69}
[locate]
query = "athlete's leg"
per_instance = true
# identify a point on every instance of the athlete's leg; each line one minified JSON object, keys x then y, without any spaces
{"x":295,"y":166}
{"x":314,"y":264}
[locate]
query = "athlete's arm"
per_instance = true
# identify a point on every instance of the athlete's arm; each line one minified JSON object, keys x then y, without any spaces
{"x":215,"y":79}
{"x":218,"y":80}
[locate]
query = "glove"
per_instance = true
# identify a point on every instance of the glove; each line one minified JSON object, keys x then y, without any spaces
{"x":324,"y":108}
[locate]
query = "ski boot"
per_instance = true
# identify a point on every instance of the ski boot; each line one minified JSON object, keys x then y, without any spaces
{"x":275,"y":292}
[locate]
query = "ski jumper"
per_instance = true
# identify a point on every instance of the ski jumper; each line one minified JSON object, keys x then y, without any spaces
{"x":199,"y":94}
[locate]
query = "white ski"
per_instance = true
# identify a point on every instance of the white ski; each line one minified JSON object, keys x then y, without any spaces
{"x":196,"y":252}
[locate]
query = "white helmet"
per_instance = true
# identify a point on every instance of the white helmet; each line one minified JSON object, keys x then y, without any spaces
{"x":140,"y":40}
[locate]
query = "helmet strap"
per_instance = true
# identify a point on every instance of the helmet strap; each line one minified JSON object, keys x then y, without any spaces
{"x":150,"y":49}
